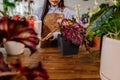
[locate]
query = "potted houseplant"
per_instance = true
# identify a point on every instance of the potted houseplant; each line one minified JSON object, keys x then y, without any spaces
{"x":93,"y":35}
{"x":110,"y":48}
{"x":97,"y":38}
{"x":72,"y":36}
{"x":17,"y":32}
{"x":109,"y":65}
{"x":98,"y":33}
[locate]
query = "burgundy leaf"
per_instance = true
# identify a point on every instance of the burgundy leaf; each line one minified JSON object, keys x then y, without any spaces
{"x":31,"y":73}
{"x":3,"y":66}
{"x":18,"y":30}
{"x":73,"y":32}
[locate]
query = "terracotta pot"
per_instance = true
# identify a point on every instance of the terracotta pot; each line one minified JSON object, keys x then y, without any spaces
{"x":38,"y":30}
{"x":96,"y":41}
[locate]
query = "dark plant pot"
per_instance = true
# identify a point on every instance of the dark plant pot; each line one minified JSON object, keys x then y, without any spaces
{"x":67,"y":47}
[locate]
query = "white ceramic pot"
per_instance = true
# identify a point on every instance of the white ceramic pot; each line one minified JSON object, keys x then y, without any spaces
{"x":14,"y":48}
{"x":37,"y":26}
{"x":38,"y":29}
{"x":110,"y":59}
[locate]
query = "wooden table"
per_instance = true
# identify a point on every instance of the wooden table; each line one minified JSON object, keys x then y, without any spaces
{"x":82,"y":66}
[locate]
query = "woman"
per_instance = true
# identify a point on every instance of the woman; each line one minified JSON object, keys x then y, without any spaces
{"x":50,"y":13}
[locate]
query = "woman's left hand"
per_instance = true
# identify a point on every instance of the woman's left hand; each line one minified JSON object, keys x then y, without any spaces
{"x":55,"y":35}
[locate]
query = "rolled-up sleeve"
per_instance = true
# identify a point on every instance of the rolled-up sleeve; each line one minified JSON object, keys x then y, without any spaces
{"x":67,"y":13}
{"x":38,"y":13}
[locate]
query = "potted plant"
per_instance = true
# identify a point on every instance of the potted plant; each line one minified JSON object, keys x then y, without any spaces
{"x":94,"y":36}
{"x":17,"y":33}
{"x":98,"y":33}
{"x":110,"y":48}
{"x":72,"y":36}
{"x":18,"y":30}
{"x":109,"y":65}
{"x":97,"y":38}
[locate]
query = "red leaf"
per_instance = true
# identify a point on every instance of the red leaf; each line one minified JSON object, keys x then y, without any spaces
{"x":18,"y":30}
{"x":31,"y":73}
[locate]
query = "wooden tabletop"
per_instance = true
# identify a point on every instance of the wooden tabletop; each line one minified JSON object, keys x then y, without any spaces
{"x":82,"y":66}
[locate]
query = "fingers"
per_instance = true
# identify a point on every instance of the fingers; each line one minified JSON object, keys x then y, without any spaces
{"x":55,"y":35}
{"x":50,"y":34}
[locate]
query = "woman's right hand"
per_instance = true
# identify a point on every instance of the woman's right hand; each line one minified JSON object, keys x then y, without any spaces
{"x":47,"y":37}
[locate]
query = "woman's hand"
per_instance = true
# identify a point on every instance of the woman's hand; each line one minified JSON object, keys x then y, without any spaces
{"x":50,"y":34}
{"x":47,"y":37}
{"x":55,"y":35}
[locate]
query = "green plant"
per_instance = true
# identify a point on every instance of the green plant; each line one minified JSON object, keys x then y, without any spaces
{"x":98,"y":31}
{"x":107,"y":22}
{"x":98,"y":14}
{"x":112,"y":23}
{"x":7,"y":4}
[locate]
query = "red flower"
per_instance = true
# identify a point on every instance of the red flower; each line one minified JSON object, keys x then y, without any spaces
{"x":31,"y":22}
{"x":16,"y":17}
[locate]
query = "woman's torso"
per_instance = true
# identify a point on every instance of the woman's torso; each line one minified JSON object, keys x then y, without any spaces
{"x":50,"y":21}
{"x":66,"y":12}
